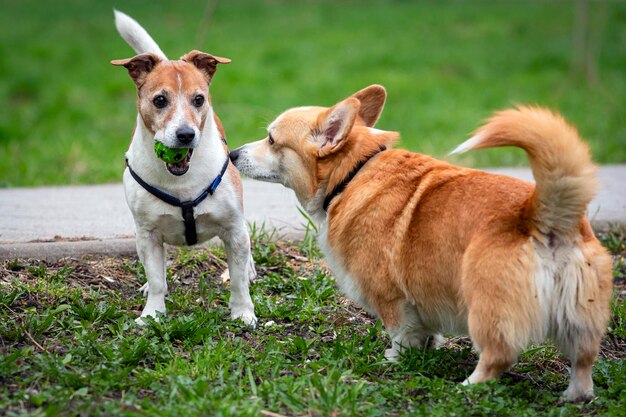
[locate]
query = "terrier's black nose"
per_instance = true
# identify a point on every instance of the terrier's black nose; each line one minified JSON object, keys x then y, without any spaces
{"x":185,"y":134}
{"x":234,"y":155}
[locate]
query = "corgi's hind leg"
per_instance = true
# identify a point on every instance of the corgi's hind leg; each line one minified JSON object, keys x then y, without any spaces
{"x":493,"y":361}
{"x":581,"y":313}
{"x":501,"y":309}
{"x":498,"y":352}
{"x":580,"y":387}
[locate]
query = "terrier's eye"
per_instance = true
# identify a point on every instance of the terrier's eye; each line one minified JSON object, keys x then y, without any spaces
{"x":198,"y":101}
{"x":270,"y":139}
{"x":159,"y":102}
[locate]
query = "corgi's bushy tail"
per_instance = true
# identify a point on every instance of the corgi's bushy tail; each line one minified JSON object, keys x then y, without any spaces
{"x":565,"y":176}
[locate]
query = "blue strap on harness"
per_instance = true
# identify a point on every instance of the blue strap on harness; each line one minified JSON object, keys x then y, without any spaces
{"x":191,"y":236}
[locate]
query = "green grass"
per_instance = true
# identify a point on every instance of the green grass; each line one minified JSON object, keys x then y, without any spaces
{"x":69,"y":347}
{"x":67,"y":114}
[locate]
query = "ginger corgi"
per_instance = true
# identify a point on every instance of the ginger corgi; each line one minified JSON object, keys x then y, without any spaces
{"x":431,"y":248}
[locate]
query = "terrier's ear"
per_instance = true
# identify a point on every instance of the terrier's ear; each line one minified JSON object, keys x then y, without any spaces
{"x":138,"y":66}
{"x":334,"y":125}
{"x":372,"y":100}
{"x":206,"y":63}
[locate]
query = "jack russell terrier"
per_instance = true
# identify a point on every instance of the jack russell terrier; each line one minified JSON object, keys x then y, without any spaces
{"x":191,"y":199}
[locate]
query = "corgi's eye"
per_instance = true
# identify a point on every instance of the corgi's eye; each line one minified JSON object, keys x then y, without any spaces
{"x":159,"y":102}
{"x":198,"y":101}
{"x":270,"y":139}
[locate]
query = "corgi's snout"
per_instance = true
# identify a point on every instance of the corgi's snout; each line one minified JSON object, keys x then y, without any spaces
{"x":185,"y":135}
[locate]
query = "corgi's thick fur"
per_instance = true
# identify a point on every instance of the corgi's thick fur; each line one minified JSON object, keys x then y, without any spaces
{"x":174,"y":107}
{"x":434,"y":248}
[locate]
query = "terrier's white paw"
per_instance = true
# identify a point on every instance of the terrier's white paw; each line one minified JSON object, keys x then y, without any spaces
{"x":140,"y":320}
{"x":247,"y":317}
{"x":151,"y":309}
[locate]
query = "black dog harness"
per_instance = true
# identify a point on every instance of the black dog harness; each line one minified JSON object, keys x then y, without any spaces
{"x":191,"y":237}
{"x":342,"y":185}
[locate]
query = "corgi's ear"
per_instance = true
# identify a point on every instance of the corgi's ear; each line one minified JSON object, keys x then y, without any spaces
{"x":372,"y":100}
{"x":334,"y":125}
{"x":206,"y":63}
{"x":138,"y":66}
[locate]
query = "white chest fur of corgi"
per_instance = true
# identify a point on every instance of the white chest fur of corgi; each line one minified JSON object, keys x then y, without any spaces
{"x":348,"y":285}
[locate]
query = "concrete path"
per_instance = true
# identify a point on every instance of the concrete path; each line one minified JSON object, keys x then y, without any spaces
{"x":52,"y":222}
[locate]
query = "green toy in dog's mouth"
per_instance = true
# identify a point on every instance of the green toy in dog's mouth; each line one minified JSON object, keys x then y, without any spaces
{"x":176,"y":159}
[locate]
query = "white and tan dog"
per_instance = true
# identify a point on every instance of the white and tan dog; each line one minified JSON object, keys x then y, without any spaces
{"x":174,"y":107}
{"x":433,"y":248}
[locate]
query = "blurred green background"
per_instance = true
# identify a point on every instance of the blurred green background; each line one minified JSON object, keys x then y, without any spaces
{"x":66,"y":114}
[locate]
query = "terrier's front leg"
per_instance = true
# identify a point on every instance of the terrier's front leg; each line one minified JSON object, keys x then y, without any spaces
{"x":242,"y":271}
{"x":152,"y":256}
